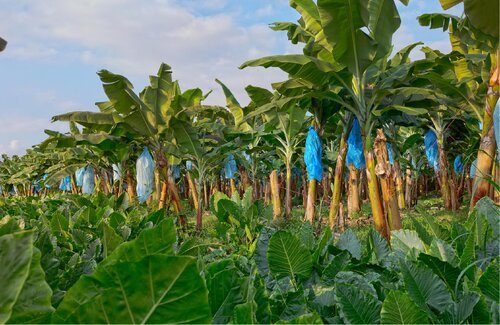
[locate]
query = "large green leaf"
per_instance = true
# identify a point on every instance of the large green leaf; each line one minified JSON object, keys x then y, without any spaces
{"x":224,"y":286}
{"x":357,"y":299}
{"x":187,"y":138}
{"x":158,"y":96}
{"x":457,"y":313}
{"x":483,"y":15}
{"x":342,"y":22}
{"x":25,"y":296}
{"x":310,"y":69}
{"x":349,"y":242}
{"x":235,"y":108}
{"x":158,"y":240}
{"x":398,"y":308}
{"x":383,"y":21}
{"x":489,"y":281}
{"x":425,"y":288}
{"x":156,"y":289}
{"x":378,"y":248}
{"x":407,"y":241}
{"x":444,"y":251}
{"x":444,"y":270}
{"x":287,"y":256}
{"x":135,"y":112}
{"x":16,"y":251}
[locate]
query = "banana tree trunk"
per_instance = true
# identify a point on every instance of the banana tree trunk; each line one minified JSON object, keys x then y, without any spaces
{"x":158,"y":185}
{"x":443,"y":175}
{"x":486,"y":154}
{"x":163,"y":195}
{"x":174,"y":195}
{"x":232,"y":186}
{"x":74,"y":188}
{"x":408,"y":188}
{"x":206,"y":190}
{"x":353,"y":205}
{"x":337,"y":182}
{"x":304,"y":188}
{"x":379,"y":219}
{"x":245,"y":180}
{"x":275,"y":194}
{"x":199,"y":208}
{"x":130,"y":185}
{"x":192,"y":190}
{"x":399,"y":185}
{"x":288,"y":193}
{"x":496,"y":196}
{"x":311,"y":200}
{"x":384,"y":171}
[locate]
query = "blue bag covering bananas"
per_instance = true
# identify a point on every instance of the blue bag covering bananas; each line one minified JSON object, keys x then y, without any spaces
{"x":457,"y":165}
{"x":88,"y":183}
{"x":389,"y":153}
{"x":117,"y":172}
{"x":176,"y":171}
{"x":355,"y":152}
{"x":230,"y":167}
{"x":144,"y":175}
{"x":79,"y":176}
{"x":65,"y":184}
{"x":431,"y":149}
{"x":312,"y":156}
{"x":472,"y":172}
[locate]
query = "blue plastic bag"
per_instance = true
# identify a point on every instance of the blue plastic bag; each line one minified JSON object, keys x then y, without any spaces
{"x":496,"y":127}
{"x":176,"y":171}
{"x":79,"y":176}
{"x":472,"y":172}
{"x":117,"y":172}
{"x":431,"y":149}
{"x":144,"y":175}
{"x":312,"y":156}
{"x":88,"y":183}
{"x":389,"y":153}
{"x":44,"y":177}
{"x":355,"y":152}
{"x":189,"y":165}
{"x":65,"y":184}
{"x":36,"y":185}
{"x":230,"y":167}
{"x":457,"y":165}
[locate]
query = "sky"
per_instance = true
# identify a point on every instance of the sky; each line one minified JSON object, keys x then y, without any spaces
{"x":55,"y":48}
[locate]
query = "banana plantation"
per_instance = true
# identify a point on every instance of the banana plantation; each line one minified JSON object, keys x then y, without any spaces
{"x":362,"y":189}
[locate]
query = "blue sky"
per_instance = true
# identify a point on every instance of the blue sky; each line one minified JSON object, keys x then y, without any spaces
{"x":57,"y":46}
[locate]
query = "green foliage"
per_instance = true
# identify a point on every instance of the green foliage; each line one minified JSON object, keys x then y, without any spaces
{"x":287,"y":256}
{"x":84,"y":271}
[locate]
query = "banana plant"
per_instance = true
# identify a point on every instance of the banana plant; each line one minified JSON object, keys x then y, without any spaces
{"x":346,"y":46}
{"x":147,"y":118}
{"x":479,"y":30}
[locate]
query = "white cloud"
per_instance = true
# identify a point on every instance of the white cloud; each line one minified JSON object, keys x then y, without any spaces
{"x":133,"y":37}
